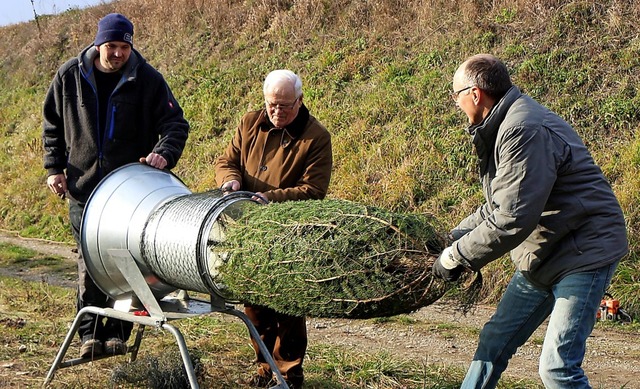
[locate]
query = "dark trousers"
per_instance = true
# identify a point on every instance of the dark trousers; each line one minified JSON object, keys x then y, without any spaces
{"x":89,"y":294}
{"x":285,"y":337}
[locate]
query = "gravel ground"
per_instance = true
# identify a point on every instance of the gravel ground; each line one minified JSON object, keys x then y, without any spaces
{"x":436,"y":334}
{"x":612,"y":359}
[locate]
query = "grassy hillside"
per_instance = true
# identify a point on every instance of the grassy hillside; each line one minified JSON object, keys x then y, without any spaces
{"x":376,"y":73}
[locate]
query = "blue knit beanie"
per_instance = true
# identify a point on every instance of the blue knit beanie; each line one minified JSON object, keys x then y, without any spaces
{"x":114,"y":27}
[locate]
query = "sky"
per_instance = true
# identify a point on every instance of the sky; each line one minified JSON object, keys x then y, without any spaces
{"x":17,"y":11}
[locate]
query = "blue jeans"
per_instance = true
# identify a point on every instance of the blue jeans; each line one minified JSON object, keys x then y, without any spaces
{"x":572,"y":303}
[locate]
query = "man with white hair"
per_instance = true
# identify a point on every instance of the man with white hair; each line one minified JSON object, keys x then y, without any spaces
{"x":280,"y":153}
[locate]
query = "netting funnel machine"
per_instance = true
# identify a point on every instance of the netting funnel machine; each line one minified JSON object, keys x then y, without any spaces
{"x":146,"y":241}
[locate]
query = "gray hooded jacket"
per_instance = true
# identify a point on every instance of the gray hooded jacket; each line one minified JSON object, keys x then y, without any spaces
{"x":546,"y":200}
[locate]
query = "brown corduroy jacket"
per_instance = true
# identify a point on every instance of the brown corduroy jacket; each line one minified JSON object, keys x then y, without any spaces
{"x":293,"y":163}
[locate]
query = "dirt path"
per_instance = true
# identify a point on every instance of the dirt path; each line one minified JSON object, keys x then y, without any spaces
{"x":612,"y":360}
{"x":436,"y":334}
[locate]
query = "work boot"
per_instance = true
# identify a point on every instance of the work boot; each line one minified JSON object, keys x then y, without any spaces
{"x":115,"y":346}
{"x":295,"y":383}
{"x":294,"y":377}
{"x":91,"y":348}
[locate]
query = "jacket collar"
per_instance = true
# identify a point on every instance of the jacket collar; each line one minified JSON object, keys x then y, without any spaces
{"x":296,"y":127}
{"x":497,"y":113}
{"x":129,"y":72}
{"x":484,"y":134}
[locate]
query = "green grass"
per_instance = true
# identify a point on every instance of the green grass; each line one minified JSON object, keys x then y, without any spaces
{"x":40,"y":313}
{"x":35,"y":317}
{"x":377,"y":74}
{"x":27,"y":259}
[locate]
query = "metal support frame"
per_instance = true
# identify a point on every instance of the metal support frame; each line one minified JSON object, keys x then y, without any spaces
{"x":159,"y":313}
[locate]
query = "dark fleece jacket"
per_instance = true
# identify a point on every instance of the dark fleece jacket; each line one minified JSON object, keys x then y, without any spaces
{"x":142,"y":117}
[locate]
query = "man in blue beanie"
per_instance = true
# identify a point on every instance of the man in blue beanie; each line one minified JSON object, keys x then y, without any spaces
{"x":104,"y":109}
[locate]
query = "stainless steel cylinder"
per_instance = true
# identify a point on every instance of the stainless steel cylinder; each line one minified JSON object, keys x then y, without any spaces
{"x":167,"y":229}
{"x":179,"y":236}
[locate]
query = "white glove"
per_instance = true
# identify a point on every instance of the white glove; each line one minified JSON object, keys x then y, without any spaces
{"x":446,"y":259}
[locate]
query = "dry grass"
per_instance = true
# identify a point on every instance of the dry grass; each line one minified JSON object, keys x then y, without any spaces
{"x":376,"y":73}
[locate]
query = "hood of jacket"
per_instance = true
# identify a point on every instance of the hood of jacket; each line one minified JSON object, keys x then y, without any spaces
{"x":88,"y":55}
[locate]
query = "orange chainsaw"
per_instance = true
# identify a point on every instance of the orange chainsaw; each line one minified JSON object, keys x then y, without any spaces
{"x":610,"y":310}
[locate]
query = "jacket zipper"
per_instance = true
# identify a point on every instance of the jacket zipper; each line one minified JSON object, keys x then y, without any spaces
{"x":99,"y":141}
{"x":108,"y":134}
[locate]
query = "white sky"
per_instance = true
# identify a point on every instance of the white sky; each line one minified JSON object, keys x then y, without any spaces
{"x":17,"y":11}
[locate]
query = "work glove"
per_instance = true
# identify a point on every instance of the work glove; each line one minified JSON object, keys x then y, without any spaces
{"x":446,"y":267}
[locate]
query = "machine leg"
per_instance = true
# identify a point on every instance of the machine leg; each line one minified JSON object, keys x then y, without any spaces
{"x":67,"y":342}
{"x":186,"y":359}
{"x":58,"y":363}
{"x":136,"y":344}
{"x":263,"y":348}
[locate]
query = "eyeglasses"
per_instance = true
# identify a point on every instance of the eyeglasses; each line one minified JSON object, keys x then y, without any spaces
{"x":455,"y":94}
{"x":282,"y":107}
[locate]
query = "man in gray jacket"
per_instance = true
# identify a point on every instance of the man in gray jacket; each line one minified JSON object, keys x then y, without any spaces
{"x":550,"y":206}
{"x":104,"y":109}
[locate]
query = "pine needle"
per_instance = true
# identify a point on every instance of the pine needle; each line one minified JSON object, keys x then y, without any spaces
{"x":331,"y":258}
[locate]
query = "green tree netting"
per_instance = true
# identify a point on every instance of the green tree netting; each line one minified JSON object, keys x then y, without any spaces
{"x":331,"y":258}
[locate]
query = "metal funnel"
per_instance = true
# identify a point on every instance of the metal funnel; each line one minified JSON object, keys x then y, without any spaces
{"x":166,"y":229}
